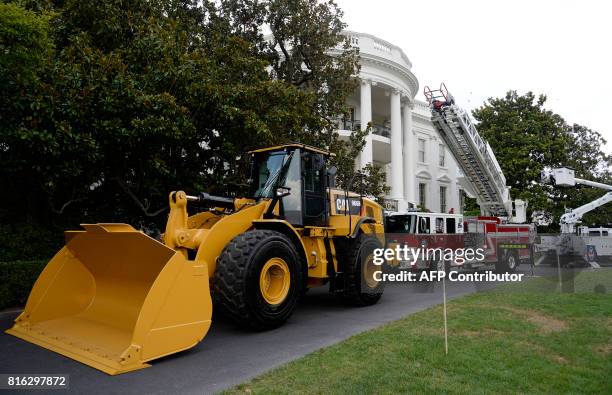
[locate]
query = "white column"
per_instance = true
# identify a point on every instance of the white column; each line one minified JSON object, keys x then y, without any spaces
{"x":410,"y":150}
{"x":366,"y":117}
{"x":397,"y":166}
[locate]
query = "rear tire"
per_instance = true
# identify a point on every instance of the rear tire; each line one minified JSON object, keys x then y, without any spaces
{"x":512,"y":261}
{"x":355,"y":256}
{"x":509,"y":263}
{"x":258,"y":279}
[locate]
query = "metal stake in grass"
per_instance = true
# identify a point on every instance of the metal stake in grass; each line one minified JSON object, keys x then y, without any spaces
{"x":559,"y":272}
{"x":445,"y":322}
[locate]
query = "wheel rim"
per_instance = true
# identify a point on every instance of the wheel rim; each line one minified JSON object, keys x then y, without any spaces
{"x":369,"y":268}
{"x":511,"y":262}
{"x":274,"y":281}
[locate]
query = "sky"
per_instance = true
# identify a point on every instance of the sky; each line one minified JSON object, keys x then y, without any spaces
{"x":482,"y":49}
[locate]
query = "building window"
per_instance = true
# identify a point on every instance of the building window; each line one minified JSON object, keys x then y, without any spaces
{"x":421,"y":150}
{"x":422,"y":195}
{"x":441,"y":156}
{"x":442,"y":199}
{"x":348,"y":119}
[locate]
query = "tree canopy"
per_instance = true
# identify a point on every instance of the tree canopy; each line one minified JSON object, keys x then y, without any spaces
{"x":108,"y":106}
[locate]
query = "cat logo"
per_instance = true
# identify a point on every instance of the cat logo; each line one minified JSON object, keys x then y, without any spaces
{"x":353,"y":203}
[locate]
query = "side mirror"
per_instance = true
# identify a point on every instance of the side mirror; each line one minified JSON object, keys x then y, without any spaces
{"x":283,"y":191}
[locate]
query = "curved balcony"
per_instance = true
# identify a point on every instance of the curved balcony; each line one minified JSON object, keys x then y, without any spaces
{"x":379,"y":129}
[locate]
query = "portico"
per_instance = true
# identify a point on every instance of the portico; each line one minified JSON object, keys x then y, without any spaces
{"x":402,"y":139}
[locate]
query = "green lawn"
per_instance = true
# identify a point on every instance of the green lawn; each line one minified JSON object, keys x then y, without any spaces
{"x":522,"y":338}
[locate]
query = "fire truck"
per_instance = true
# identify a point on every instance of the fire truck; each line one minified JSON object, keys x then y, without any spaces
{"x":502,"y":246}
{"x":500,"y":231}
{"x":506,"y":245}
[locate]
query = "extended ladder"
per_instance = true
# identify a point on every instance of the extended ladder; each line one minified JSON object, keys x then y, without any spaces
{"x":473,"y":154}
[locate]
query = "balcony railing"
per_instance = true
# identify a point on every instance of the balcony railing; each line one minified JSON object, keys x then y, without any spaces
{"x":377,"y":128}
{"x":347,"y":124}
{"x":381,"y":129}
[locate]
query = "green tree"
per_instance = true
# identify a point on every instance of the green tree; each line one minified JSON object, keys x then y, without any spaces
{"x":320,"y":63}
{"x":116,"y":103}
{"x":26,"y":46}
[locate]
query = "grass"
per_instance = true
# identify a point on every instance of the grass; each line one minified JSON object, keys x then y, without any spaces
{"x":520,"y":338}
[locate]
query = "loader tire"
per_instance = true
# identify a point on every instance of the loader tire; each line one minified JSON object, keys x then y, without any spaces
{"x":353,"y":256}
{"x":241,"y":272}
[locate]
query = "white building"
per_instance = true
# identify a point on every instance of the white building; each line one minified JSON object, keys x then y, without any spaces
{"x":420,"y":170}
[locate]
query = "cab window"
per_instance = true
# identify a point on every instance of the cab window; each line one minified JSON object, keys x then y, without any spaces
{"x":313,"y":166}
{"x":439,"y":225}
{"x":268,"y":170}
{"x":400,"y":224}
{"x":424,"y":225}
{"x":450,"y":225}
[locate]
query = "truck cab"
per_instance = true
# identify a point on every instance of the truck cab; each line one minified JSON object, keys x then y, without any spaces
{"x":423,"y":230}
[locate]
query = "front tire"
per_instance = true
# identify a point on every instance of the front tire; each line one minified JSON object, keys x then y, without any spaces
{"x":258,"y":279}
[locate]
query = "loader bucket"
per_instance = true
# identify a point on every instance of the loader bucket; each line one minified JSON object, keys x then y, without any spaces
{"x":114,"y":298}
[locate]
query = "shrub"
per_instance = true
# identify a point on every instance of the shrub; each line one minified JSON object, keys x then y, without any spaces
{"x":26,"y":242}
{"x":16,"y":281}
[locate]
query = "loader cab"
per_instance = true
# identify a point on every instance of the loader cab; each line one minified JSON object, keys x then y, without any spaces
{"x":296,"y":176}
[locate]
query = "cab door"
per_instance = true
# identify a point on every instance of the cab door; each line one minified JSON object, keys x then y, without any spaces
{"x":314,"y":189}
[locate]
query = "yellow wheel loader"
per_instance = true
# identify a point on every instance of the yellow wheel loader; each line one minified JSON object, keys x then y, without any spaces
{"x":114,"y":298}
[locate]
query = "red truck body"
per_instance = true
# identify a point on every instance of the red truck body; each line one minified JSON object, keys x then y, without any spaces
{"x":449,"y":231}
{"x":496,"y":238}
